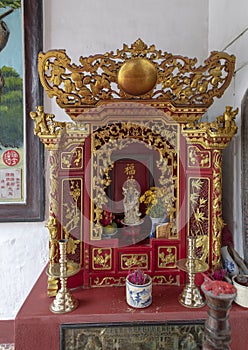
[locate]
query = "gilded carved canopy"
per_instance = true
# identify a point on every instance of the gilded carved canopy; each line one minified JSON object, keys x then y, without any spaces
{"x":139,"y":72}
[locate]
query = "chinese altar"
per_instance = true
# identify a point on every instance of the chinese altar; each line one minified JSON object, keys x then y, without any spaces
{"x":136,"y":114}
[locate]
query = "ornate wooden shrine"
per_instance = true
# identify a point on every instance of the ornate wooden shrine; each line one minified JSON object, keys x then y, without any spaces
{"x":135,"y":114}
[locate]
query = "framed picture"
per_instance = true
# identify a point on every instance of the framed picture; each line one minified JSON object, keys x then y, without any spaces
{"x":132,"y":336}
{"x":21,"y":153}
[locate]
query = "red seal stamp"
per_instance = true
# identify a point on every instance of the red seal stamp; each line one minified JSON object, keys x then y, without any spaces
{"x":11,"y":157}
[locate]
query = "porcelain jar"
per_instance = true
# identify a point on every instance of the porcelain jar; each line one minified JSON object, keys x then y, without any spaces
{"x":154,"y":223}
{"x":242,"y":290}
{"x":139,"y":296}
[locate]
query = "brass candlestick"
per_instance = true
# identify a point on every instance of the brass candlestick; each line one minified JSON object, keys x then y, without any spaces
{"x":191,"y":296}
{"x":64,"y":300}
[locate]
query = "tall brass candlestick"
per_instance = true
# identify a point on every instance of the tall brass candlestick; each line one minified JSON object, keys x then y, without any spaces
{"x":191,"y":296}
{"x":64,"y":300}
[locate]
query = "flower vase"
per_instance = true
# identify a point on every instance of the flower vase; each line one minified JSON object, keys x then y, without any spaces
{"x":139,"y":295}
{"x":154,"y":223}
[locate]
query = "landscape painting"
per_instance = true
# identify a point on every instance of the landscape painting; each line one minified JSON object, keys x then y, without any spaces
{"x":12,"y":132}
{"x":21,"y":152}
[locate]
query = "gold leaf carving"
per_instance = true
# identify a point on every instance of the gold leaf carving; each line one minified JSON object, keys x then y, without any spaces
{"x":170,"y":280}
{"x":45,"y":123}
{"x":200,"y":216}
{"x":134,"y":260}
{"x":167,"y":257}
{"x":108,"y":281}
{"x":179,"y":79}
{"x":214,"y":135}
{"x":101,"y":259}
{"x":72,"y":159}
{"x":218,"y":222}
{"x":118,"y":136}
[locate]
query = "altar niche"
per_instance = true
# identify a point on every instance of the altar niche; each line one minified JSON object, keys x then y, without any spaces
{"x":135,"y":117}
{"x":133,"y":150}
{"x":133,"y":153}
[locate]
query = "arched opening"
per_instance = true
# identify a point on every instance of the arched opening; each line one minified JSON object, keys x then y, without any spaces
{"x":142,"y":147}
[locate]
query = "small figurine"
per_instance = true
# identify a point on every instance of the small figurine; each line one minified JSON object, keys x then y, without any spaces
{"x":39,"y":118}
{"x":131,"y":202}
{"x":44,"y":123}
{"x":53,"y":231}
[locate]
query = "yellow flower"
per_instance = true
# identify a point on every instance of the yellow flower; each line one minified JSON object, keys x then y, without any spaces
{"x":153,"y":198}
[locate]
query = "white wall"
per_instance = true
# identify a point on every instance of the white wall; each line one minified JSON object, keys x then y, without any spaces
{"x":23,"y":255}
{"x":84,"y":28}
{"x":87,"y":27}
{"x":227,"y":20}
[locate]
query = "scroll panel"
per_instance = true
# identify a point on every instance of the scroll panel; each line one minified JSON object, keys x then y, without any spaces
{"x":71,"y":208}
{"x":200,"y":191}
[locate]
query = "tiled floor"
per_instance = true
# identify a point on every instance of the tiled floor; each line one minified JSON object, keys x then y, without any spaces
{"x":7,"y":346}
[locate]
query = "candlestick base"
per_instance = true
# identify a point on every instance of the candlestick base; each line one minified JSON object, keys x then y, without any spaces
{"x":64,"y":302}
{"x":191,"y":297}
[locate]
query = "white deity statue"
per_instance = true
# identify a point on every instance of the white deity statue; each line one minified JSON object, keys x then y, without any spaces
{"x":131,"y":195}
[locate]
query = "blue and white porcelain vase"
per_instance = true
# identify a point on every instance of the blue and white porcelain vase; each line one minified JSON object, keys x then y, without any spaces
{"x":228,"y":263}
{"x":155,"y":222}
{"x":139,"y":296}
